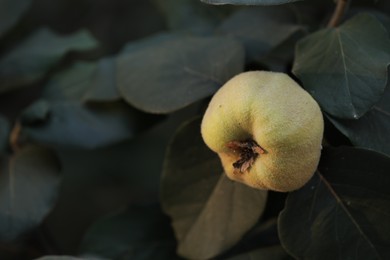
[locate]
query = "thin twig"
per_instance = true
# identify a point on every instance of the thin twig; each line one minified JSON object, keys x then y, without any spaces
{"x":338,"y":13}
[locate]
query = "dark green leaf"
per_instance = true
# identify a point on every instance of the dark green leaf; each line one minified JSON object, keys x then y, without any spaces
{"x":103,"y":85}
{"x":65,"y":257}
{"x":29,"y":182}
{"x":10,"y":12}
{"x":4,"y":133}
{"x":189,"y":15}
{"x":345,"y":68}
{"x":266,"y":253}
{"x":209,"y":212}
{"x":84,"y":81}
{"x":71,"y":125}
{"x":281,"y":56}
{"x":260,"y":29}
{"x":70,"y":84}
{"x":133,"y":233}
{"x":343,"y":212}
{"x":36,"y":114}
{"x":175,"y":72}
{"x":148,"y":42}
{"x":262,"y":240}
{"x":34,"y":57}
{"x":249,"y":2}
{"x":371,"y":130}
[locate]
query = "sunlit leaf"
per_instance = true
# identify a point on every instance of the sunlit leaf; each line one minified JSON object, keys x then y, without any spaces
{"x":249,"y":2}
{"x":71,"y":125}
{"x":175,"y":72}
{"x":31,"y":59}
{"x":209,"y":212}
{"x":133,"y":233}
{"x":10,"y":12}
{"x":29,"y":183}
{"x":345,"y":68}
{"x":343,"y":212}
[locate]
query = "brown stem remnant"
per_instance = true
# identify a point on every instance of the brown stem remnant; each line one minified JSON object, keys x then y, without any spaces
{"x":338,"y":13}
{"x":14,"y":137}
{"x":248,"y":151}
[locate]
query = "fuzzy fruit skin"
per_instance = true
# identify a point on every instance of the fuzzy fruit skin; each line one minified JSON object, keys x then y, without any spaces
{"x":272,"y":109}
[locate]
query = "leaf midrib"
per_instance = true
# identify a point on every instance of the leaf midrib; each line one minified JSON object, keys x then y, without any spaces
{"x":349,"y":215}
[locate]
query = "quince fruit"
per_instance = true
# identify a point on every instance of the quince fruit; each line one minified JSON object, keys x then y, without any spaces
{"x":266,"y":129}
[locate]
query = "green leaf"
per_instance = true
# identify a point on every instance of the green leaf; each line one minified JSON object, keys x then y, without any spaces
{"x":189,"y":15}
{"x":343,"y":212}
{"x":72,"y":125}
{"x":209,"y":212}
{"x":175,"y":72}
{"x":133,"y":233}
{"x":29,"y":183}
{"x":84,"y":81}
{"x":70,"y":84}
{"x":345,"y":68}
{"x":282,"y":55}
{"x":34,"y":57}
{"x":372,"y":130}
{"x":103,"y":85}
{"x":277,"y":25}
{"x":10,"y":13}
{"x":248,"y":2}
{"x":4,"y":133}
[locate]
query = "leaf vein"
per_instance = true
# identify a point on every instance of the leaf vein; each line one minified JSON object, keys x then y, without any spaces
{"x":349,"y":215}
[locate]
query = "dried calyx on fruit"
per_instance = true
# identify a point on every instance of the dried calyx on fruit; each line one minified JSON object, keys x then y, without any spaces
{"x":266,"y":130}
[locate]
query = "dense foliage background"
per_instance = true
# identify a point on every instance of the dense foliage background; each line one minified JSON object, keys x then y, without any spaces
{"x":100,"y":147}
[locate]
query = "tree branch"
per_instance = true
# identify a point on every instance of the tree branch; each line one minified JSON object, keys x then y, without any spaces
{"x":338,"y":13}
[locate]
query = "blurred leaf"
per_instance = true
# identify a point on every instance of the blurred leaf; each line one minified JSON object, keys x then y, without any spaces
{"x":149,"y":42}
{"x":10,"y":12}
{"x":209,"y":212}
{"x":4,"y":133}
{"x":36,"y":114}
{"x":65,"y":257}
{"x":260,"y":29}
{"x":249,"y":2}
{"x":371,"y":130}
{"x":103,"y":85}
{"x":262,"y":240}
{"x":29,"y":182}
{"x":280,"y":58}
{"x":189,"y":15}
{"x":34,"y":57}
{"x":70,"y":84}
{"x":266,"y":253}
{"x":345,"y":68}
{"x":173,"y":73}
{"x":84,"y":81}
{"x":132,"y":233}
{"x":343,"y":212}
{"x":72,"y":125}
{"x":100,"y":181}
